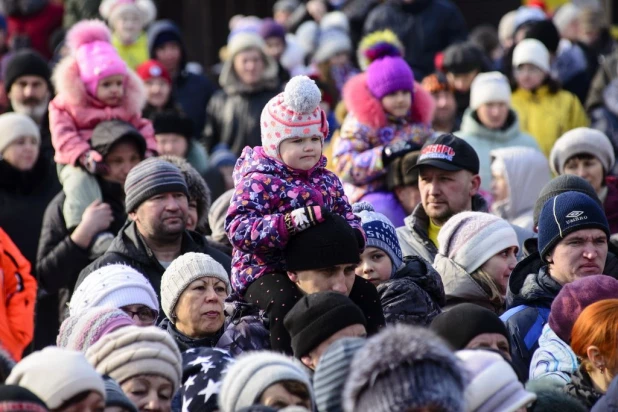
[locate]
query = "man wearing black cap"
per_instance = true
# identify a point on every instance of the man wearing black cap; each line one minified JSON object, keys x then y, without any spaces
{"x":28,"y":87}
{"x":448,"y":183}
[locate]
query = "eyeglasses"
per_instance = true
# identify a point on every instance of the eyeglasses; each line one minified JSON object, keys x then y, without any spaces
{"x":144,"y":314}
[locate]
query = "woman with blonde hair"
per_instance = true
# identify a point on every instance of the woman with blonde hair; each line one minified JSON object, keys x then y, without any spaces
{"x":477,"y":253}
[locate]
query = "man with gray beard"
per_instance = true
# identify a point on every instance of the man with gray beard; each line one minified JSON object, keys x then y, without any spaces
{"x":28,"y":88}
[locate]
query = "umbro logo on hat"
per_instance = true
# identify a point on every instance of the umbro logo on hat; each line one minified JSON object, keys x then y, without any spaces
{"x":575,"y":216}
{"x":575,"y":213}
{"x":449,"y":152}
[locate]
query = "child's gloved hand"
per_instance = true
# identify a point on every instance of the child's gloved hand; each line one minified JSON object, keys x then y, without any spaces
{"x":304,"y":218}
{"x":92,"y":161}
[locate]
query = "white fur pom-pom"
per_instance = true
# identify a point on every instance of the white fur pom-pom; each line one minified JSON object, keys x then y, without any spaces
{"x":302,"y":94}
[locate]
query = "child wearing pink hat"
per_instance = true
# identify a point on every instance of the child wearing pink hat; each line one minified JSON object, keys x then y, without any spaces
{"x":93,"y":85}
{"x":386,"y":112}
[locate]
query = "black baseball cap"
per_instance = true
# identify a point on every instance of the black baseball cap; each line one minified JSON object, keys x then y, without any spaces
{"x":449,"y":152}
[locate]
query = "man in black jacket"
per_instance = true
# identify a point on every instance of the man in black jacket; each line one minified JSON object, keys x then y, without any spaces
{"x":157,"y":204}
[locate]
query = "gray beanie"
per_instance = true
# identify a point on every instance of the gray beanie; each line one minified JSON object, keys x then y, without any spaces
{"x":330,"y":43}
{"x":414,"y":369}
{"x":332,"y":371}
{"x":581,"y":140}
{"x":184,"y":270}
{"x":149,"y":178}
{"x":251,"y":374}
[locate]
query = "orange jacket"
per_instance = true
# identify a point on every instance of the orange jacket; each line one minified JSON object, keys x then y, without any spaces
{"x":17,"y":298}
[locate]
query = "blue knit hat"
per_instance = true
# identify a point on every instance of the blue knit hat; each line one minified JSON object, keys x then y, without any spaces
{"x":380,"y":233}
{"x":152,"y":177}
{"x":567,"y":213}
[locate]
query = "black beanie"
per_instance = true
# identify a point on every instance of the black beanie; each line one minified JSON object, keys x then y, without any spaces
{"x":16,"y":398}
{"x":25,"y":63}
{"x":465,"y":57}
{"x":546,"y":32}
{"x":330,"y":243}
{"x":106,"y":134}
{"x":171,"y":121}
{"x":462,"y":323}
{"x":561,"y":184}
{"x":318,"y":316}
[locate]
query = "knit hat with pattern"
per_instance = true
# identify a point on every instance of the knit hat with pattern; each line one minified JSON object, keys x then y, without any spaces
{"x":404,"y":368}
{"x":15,"y":398}
{"x":133,"y":351}
{"x":471,"y":238}
{"x":82,"y":331}
{"x":184,"y":270}
{"x":15,"y":125}
{"x":582,"y":140}
{"x":56,"y":375}
{"x":380,"y":233}
{"x":567,"y":213}
{"x":388,"y":75}
{"x":149,"y":178}
{"x":113,"y":286}
{"x":295,"y":113}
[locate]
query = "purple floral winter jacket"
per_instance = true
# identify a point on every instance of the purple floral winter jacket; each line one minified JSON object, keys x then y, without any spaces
{"x":266,"y":190}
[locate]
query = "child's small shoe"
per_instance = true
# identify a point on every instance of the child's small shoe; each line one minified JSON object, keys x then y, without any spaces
{"x":99,"y":246}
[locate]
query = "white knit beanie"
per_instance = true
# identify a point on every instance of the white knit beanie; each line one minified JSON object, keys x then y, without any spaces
{"x":581,"y":140}
{"x":16,"y":125}
{"x":335,"y":20}
{"x":489,"y":87}
{"x":184,"y":270}
{"x":133,"y":351}
{"x":531,"y":51}
{"x":471,"y":238}
{"x":110,"y":10}
{"x":113,"y":286}
{"x":56,"y":375}
{"x":565,"y":16}
{"x":253,"y":373}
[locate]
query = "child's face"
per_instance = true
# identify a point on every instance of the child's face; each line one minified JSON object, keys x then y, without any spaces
{"x":128,"y":26}
{"x":157,"y":91}
{"x":398,"y":104}
{"x":340,"y":59}
{"x":275,"y":47}
{"x":110,"y":90}
{"x":375,"y":266}
{"x":301,"y":153}
{"x":172,"y":144}
{"x":529,"y":76}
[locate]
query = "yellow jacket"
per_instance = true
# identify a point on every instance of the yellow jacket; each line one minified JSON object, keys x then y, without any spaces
{"x":548,"y":116}
{"x":133,"y":54}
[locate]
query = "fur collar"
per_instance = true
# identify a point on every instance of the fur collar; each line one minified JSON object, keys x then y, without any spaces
{"x":368,"y":110}
{"x":67,"y":80}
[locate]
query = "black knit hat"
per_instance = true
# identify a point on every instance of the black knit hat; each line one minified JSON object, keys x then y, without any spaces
{"x":330,"y":243}
{"x":26,"y":63}
{"x":17,"y":398}
{"x":561,"y":184}
{"x":546,"y":32}
{"x":114,"y":396}
{"x":171,"y":121}
{"x":108,"y":133}
{"x":459,"y":325}
{"x":465,"y":57}
{"x":318,"y":316}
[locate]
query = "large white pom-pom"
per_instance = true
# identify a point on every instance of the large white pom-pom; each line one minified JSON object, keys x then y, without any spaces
{"x":360,"y":206}
{"x":302,"y":95}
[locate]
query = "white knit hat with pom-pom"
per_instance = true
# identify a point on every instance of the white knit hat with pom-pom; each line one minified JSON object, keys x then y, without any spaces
{"x":295,"y":113}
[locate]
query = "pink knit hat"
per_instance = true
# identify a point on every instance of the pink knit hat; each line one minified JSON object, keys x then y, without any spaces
{"x":292,"y":114}
{"x":90,"y":43}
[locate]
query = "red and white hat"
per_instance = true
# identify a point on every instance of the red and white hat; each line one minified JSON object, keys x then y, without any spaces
{"x":292,"y":114}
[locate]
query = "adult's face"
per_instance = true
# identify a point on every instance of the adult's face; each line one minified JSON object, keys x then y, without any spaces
{"x":493,"y":115}
{"x":158,"y":91}
{"x":275,"y":47}
{"x":446,"y":106}
{"x":249,"y":66}
{"x":30,"y":95}
{"x":162,"y":217}
{"x":579,"y":254}
{"x":122,"y":157}
{"x":409,"y":197}
{"x":172,"y":144}
{"x":353,"y":331}
{"x":339,"y":278}
{"x":278,"y":397}
{"x":149,"y":392}
{"x":141,"y":315}
{"x":94,"y":402}
{"x":499,"y":187}
{"x":169,"y":55}
{"x":199,"y":311}
{"x":444,"y":193}
{"x":495,"y":341}
{"x":22,"y":153}
{"x":588,"y":168}
{"x":461,"y":81}
{"x":192,"y":215}
{"x":529,"y":76}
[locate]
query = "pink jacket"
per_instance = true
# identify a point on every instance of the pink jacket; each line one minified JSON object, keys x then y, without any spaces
{"x":73,"y":113}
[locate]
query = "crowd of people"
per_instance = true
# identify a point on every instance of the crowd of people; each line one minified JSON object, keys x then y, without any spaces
{"x":363,"y":207}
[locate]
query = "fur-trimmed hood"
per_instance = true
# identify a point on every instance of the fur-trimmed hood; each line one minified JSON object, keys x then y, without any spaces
{"x":368,"y":110}
{"x":66,"y":81}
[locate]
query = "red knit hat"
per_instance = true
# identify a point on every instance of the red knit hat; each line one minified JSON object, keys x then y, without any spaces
{"x":152,"y":69}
